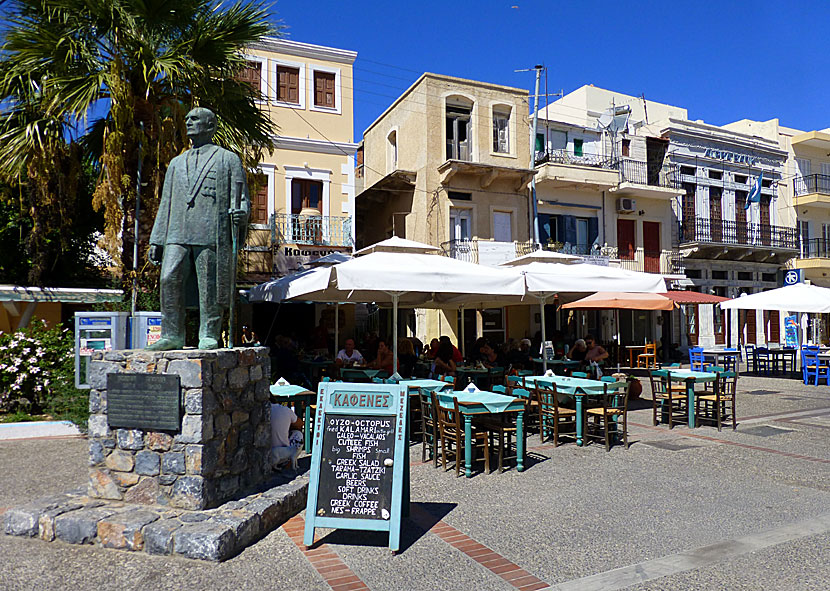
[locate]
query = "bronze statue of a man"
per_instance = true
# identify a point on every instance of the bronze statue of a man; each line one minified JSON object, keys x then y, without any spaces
{"x":192,"y":233}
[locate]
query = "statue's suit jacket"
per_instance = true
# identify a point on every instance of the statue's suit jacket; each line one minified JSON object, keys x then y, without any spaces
{"x":194,"y":207}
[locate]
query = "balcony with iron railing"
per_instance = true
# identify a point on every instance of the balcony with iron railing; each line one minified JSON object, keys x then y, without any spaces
{"x":635,"y":172}
{"x":814,"y":254}
{"x":737,"y":233}
{"x":665,"y":262}
{"x":563,"y":168}
{"x":812,"y":189}
{"x":318,"y":230}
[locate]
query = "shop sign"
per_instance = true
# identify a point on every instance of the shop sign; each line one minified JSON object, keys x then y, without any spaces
{"x":289,"y":257}
{"x":730,"y":156}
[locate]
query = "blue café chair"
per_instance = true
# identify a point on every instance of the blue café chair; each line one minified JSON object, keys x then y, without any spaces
{"x":730,"y":362}
{"x":762,"y":360}
{"x":749,"y":354}
{"x":812,"y":367}
{"x":579,"y":374}
{"x":696,"y":360}
{"x":499,"y":389}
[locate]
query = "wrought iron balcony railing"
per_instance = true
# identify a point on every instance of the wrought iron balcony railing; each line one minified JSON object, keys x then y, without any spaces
{"x":812,"y":183}
{"x":816,"y":248}
{"x":566,"y":157}
{"x":664,"y":262}
{"x":318,"y":230}
{"x":634,"y":171}
{"x":738,"y":233}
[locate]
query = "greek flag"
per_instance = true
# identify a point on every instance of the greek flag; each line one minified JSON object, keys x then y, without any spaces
{"x":754,"y":196}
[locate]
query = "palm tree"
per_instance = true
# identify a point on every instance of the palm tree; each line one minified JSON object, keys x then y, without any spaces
{"x":118,"y":76}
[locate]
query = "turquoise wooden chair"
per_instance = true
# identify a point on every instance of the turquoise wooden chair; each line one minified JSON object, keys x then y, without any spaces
{"x":579,"y":374}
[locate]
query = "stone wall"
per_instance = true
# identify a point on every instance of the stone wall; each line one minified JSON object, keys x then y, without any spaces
{"x":221,"y":448}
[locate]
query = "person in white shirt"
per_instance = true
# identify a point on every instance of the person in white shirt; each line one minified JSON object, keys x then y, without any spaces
{"x":286,"y":436}
{"x":349,"y":355}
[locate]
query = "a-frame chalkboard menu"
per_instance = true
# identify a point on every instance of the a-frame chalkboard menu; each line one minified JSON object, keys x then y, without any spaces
{"x":359,"y":462}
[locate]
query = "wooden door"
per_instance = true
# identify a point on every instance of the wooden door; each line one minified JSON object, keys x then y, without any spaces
{"x":766,"y":230}
{"x":749,"y":323}
{"x":719,"y":320}
{"x":691,"y":324}
{"x":773,"y":329}
{"x":651,"y":247}
{"x":689,"y":214}
{"x":625,"y":239}
{"x":740,"y":217}
{"x":716,"y":213}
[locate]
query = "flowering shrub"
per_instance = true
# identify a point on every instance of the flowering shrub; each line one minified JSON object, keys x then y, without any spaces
{"x":37,"y":371}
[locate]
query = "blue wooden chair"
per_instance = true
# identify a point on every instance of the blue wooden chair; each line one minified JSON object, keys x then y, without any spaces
{"x":499,"y":389}
{"x":730,"y":362}
{"x":579,"y":374}
{"x":762,"y":360}
{"x":812,"y":367}
{"x":698,"y":363}
{"x":749,"y":355}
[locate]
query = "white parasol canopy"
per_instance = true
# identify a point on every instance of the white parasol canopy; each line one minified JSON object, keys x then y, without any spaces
{"x":399,"y":278}
{"x":801,"y":297}
{"x":543,"y":256}
{"x":397,"y":244}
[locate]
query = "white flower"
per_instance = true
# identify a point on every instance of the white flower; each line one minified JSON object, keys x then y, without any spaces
{"x":26,"y":351}
{"x":35,"y":370}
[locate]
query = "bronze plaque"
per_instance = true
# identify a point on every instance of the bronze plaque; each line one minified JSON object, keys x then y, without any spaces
{"x":144,"y":401}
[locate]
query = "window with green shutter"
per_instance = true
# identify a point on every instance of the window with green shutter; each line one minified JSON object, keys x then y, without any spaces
{"x":577,"y":147}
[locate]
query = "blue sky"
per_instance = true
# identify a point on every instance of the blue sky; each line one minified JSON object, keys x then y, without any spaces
{"x":723,"y":61}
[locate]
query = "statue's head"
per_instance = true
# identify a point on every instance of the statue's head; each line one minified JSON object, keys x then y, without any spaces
{"x":200,"y":124}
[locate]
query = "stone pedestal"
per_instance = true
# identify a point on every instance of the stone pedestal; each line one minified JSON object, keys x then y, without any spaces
{"x":221,"y":448}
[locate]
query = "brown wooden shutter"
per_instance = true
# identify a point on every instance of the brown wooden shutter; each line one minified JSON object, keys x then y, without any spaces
{"x":625,"y":239}
{"x":259,"y":203}
{"x":288,"y":85}
{"x":773,"y":327}
{"x":251,"y":74}
{"x":324,"y":89}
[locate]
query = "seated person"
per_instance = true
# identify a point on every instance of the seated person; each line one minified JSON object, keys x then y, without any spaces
{"x":560,"y":347}
{"x":286,"y":436}
{"x":385,"y":359}
{"x":578,"y":351}
{"x":348,"y":356}
{"x":433,"y":349}
{"x":406,"y":358}
{"x":490,"y":357}
{"x":519,"y":355}
{"x":444,"y":363}
{"x":456,"y":354}
{"x":594,"y":352}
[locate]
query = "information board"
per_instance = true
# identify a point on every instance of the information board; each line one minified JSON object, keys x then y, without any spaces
{"x":144,"y":401}
{"x":359,"y":463}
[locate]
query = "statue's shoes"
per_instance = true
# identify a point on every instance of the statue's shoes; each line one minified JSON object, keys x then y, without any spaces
{"x":208,"y":343}
{"x":165,"y":345}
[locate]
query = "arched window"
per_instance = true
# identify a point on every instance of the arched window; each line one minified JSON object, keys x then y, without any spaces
{"x":459,"y":128}
{"x":501,"y":129}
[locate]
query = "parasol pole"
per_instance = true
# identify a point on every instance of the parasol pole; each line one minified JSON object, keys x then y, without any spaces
{"x":463,"y":352}
{"x":336,"y":328}
{"x":542,"y":301}
{"x":235,"y":247}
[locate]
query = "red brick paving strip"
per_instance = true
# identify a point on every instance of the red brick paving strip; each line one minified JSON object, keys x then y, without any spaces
{"x":329,"y":565}
{"x":495,"y":563}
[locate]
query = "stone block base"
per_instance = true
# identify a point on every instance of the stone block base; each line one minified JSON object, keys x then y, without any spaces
{"x":213,"y":534}
{"x":223,"y":442}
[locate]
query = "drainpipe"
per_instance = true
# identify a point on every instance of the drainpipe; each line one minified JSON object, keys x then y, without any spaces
{"x":534,"y":226}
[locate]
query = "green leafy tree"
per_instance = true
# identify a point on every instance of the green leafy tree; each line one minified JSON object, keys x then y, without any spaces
{"x":115,"y":78}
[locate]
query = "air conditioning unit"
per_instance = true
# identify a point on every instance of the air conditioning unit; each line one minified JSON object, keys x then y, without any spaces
{"x":626,"y":205}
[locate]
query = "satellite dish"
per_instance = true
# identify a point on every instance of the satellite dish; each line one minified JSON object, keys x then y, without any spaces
{"x":614,"y":119}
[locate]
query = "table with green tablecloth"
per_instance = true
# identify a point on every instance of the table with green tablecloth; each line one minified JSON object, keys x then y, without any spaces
{"x":690,"y":378}
{"x":579,"y":388}
{"x":479,"y":403}
{"x":558,"y":365}
{"x":315,"y":368}
{"x":294,"y":394}
{"x":349,"y":374}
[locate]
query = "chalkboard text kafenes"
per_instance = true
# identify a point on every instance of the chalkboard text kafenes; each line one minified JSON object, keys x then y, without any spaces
{"x":358,"y":467}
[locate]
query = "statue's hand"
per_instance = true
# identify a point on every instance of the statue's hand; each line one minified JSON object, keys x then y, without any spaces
{"x":155,"y":254}
{"x":237,"y":216}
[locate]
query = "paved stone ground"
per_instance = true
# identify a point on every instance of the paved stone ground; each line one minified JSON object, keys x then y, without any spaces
{"x":681,"y":509}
